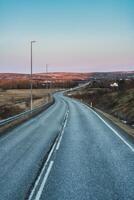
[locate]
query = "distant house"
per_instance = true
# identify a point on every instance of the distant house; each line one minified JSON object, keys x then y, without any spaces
{"x":114,"y":85}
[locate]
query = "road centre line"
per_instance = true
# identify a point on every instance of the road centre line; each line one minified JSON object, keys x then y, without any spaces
{"x":41,"y":173}
{"x":63,"y":130}
{"x":57,"y":142}
{"x":39,"y":193}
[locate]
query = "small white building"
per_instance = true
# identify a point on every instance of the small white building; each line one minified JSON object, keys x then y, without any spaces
{"x":114,"y":84}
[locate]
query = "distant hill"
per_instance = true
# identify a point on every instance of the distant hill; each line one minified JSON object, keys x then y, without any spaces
{"x":49,"y":76}
{"x":67,"y":75}
{"x":114,"y":75}
{"x":42,"y":80}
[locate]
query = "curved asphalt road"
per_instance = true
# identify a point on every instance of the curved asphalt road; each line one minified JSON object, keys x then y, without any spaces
{"x":89,"y":160}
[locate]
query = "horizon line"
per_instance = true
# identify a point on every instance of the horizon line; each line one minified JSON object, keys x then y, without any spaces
{"x":69,"y":72}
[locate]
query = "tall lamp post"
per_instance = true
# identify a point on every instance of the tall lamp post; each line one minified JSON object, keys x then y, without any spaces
{"x":31,"y":82}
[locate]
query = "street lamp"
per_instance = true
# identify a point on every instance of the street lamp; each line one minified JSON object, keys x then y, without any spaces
{"x":31,"y":83}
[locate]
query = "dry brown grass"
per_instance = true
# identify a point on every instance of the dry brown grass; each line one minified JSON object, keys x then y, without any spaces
{"x":17,"y":100}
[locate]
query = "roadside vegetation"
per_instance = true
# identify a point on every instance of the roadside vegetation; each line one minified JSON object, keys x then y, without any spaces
{"x":15,"y":89}
{"x":115,"y":97}
{"x":15,"y":101}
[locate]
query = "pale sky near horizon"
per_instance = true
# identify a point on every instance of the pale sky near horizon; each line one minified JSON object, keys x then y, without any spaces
{"x":72,"y":35}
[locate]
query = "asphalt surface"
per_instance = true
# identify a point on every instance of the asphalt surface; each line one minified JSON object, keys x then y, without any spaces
{"x":89,"y":159}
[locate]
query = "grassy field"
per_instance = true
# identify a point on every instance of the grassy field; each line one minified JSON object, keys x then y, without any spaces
{"x":17,"y":100}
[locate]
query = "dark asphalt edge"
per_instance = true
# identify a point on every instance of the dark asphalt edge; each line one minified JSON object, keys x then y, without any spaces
{"x":114,"y":125}
{"x":109,"y":121}
{"x":7,"y":128}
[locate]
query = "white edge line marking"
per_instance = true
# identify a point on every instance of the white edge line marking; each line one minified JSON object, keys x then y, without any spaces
{"x":39,"y":193}
{"x":112,"y":129}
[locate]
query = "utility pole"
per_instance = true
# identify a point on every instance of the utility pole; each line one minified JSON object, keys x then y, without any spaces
{"x":46,"y":68}
{"x":31,"y":81}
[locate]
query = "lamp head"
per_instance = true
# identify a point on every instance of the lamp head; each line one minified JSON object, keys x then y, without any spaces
{"x":33,"y":41}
